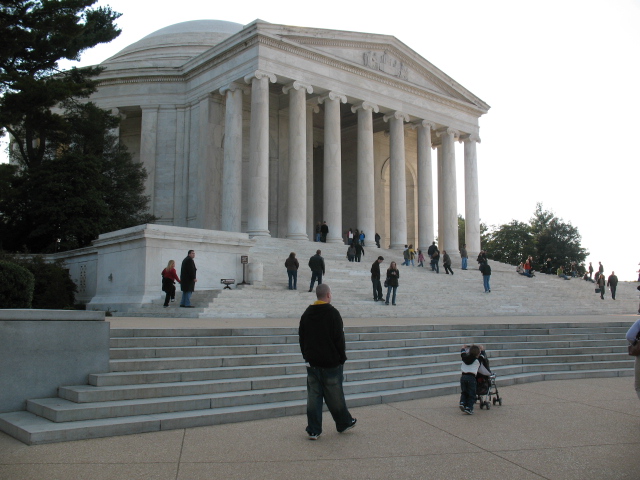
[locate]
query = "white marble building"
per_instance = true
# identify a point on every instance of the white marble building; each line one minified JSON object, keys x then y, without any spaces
{"x":267,"y":129}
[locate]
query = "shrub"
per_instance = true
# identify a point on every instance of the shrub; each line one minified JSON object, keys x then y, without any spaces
{"x":53,"y":287}
{"x":16,"y":286}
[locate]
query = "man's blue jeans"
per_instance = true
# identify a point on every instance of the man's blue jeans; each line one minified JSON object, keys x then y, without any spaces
{"x":293,"y":279}
{"x":326,"y":383}
{"x":185,"y":301}
{"x":485,"y":280}
{"x":315,"y":276}
{"x":464,"y":263}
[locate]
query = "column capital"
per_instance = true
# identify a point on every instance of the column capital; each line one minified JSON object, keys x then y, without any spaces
{"x":232,"y":87}
{"x":448,"y":131}
{"x":297,"y":86}
{"x":471,"y":137}
{"x":423,"y":124}
{"x":313,"y":106}
{"x":260,"y":74}
{"x":365,"y":106}
{"x":397,"y":115}
{"x":333,"y":96}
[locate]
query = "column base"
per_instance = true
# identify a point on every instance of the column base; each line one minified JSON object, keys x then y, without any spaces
{"x":335,"y":240}
{"x":258,"y":233}
{"x":298,"y":236}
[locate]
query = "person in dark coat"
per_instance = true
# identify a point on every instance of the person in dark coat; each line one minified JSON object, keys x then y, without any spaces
{"x":292,"y":265}
{"x":359,"y":251}
{"x":324,"y":231}
{"x":375,"y":279}
{"x":485,"y":269}
{"x":188,"y":276}
{"x":323,"y":347}
{"x":446,"y":262}
{"x":377,"y":237}
{"x":612,"y":283}
{"x":393,"y":275}
{"x":316,"y":264}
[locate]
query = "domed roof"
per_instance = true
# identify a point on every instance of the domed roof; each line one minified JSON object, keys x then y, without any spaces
{"x":174,"y":45}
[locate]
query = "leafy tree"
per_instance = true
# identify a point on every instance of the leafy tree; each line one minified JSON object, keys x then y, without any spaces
{"x":510,"y":243}
{"x":36,"y":35}
{"x":90,"y":187}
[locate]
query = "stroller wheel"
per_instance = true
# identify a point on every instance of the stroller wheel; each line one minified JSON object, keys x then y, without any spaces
{"x":500,"y":402}
{"x":481,"y":405}
{"x":495,"y":401}
{"x":488,"y":405}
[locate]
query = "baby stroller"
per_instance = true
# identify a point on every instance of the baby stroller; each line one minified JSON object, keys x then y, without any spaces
{"x":486,"y":389}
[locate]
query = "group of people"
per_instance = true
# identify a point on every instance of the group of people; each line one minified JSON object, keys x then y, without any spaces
{"x":187,"y":284}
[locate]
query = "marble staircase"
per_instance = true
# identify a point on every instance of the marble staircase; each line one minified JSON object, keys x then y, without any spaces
{"x":164,"y":379}
{"x":422,"y":293}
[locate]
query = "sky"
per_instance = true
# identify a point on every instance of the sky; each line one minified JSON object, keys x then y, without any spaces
{"x":561,"y":78}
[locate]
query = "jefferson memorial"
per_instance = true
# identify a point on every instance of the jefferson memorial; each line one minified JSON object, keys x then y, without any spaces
{"x":268,"y":129}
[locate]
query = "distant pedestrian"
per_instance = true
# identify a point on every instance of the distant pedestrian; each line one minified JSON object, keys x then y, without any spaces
{"x":362,"y":236}
{"x":574,"y":269}
{"x":485,"y":269}
{"x":432,"y":248}
{"x":612,"y":283}
{"x":464,"y":256}
{"x":590,"y":270}
{"x":405,"y":255}
{"x":324,"y":231}
{"x":292,"y":265}
{"x":420,"y":259}
{"x":351,"y":253}
{"x":482,"y":258}
{"x":323,"y":347}
{"x":316,"y":264}
{"x":446,"y":262}
{"x":600,"y":268}
{"x":392,"y":282}
{"x":435,"y":261}
{"x":412,"y":255}
{"x":601,"y":282}
{"x":377,"y":240}
{"x":375,"y":279}
{"x":318,"y":232}
{"x":359,"y":252}
{"x":350,"y":237}
{"x":188,"y":275}
{"x":169,"y":279}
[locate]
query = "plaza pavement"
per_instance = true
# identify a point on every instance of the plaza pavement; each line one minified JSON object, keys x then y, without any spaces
{"x":570,"y":429}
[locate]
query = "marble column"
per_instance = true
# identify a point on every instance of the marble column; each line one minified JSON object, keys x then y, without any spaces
{"x":471,"y":195}
{"x":449,"y":191}
{"x":148,"y":150}
{"x":441,"y":233}
{"x":332,"y":188}
{"x":258,"y":199}
{"x":181,"y":173}
{"x":397,"y":179}
{"x":311,"y":109}
{"x":231,"y":220}
{"x":297,"y":188}
{"x":425,"y":186}
{"x":366,"y":219}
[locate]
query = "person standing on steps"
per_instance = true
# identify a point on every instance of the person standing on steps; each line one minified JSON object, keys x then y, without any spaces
{"x":316,"y":264}
{"x":392,"y":282}
{"x":375,"y":279}
{"x":377,"y":237}
{"x":188,"y":275}
{"x":359,"y":251}
{"x":612,"y":283}
{"x":292,"y":265}
{"x":600,"y":268}
{"x":323,"y":347}
{"x":601,"y":282}
{"x":485,"y":269}
{"x":446,"y":262}
{"x":169,"y":278}
{"x":590,"y":271}
{"x":324,"y":231}
{"x":464,"y":256}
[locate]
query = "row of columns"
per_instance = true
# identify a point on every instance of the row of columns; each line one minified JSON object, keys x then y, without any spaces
{"x":300,"y":182}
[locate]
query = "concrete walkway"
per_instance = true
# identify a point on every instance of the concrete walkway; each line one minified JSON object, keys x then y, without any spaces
{"x":571,"y":429}
{"x":562,"y":430}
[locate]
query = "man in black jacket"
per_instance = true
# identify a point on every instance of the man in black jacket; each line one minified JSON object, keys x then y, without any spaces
{"x":321,"y":336}
{"x":316,"y":264}
{"x":188,"y":276}
{"x":375,"y":279}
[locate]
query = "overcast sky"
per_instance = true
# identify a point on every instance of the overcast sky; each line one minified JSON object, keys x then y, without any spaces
{"x":561,"y":78}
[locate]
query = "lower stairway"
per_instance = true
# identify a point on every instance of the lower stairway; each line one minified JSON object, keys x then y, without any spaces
{"x":163,"y":379}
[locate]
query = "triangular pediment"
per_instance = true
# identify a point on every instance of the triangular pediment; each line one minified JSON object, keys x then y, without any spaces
{"x":382,"y":55}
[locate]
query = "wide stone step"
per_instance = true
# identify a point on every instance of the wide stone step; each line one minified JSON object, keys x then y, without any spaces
{"x":32,"y":429}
